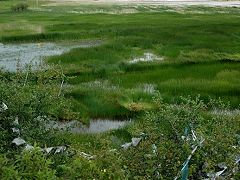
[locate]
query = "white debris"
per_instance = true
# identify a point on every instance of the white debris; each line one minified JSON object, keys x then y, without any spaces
{"x":28,"y":147}
{"x":16,"y":130}
{"x":237,"y":160}
{"x":194,"y":135}
{"x":60,"y":149}
{"x":147,"y":57}
{"x":15,"y":122}
{"x":135,"y":142}
{"x":219,"y":173}
{"x":154,"y":149}
{"x":126,"y":145}
{"x":3,"y":107}
{"x":148,"y":88}
{"x":87,"y":156}
{"x":195,"y":147}
{"x":48,"y":150}
{"x":19,"y":141}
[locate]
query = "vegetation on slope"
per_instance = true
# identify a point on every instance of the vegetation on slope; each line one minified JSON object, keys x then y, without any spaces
{"x":200,"y":55}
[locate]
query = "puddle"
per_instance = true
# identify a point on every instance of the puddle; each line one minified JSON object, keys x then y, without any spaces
{"x":147,"y":57}
{"x":95,"y":126}
{"x":15,"y":56}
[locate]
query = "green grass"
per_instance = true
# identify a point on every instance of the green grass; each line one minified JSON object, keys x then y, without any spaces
{"x":200,"y":51}
{"x":200,"y":47}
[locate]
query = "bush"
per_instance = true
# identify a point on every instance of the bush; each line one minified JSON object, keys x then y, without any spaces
{"x":170,"y":129}
{"x":28,"y":165}
{"x":34,"y":103}
{"x":19,"y":7}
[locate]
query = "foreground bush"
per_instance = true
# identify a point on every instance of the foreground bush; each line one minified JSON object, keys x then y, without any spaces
{"x":174,"y":131}
{"x":169,"y":135}
{"x":33,"y":99}
{"x":29,"y":165}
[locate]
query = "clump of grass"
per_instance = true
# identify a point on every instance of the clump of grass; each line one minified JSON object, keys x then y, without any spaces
{"x":19,"y":7}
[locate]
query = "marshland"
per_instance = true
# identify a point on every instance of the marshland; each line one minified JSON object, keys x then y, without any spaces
{"x":119,"y":90}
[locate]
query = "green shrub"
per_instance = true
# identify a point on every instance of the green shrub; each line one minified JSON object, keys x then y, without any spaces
{"x":34,"y":165}
{"x":169,"y":128}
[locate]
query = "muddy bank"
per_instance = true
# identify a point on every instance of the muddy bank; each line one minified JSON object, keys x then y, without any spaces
{"x":18,"y":56}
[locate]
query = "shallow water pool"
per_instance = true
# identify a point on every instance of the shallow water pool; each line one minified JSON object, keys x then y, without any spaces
{"x":14,"y":56}
{"x":95,"y":126}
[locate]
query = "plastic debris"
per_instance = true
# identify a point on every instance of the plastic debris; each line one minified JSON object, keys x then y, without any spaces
{"x":197,"y":143}
{"x":87,"y":156}
{"x":236,"y":168}
{"x":237,"y":160}
{"x":154,"y":149}
{"x":16,"y":130}
{"x":126,"y":145}
{"x":28,"y":147}
{"x":15,"y":122}
{"x":48,"y":150}
{"x":3,"y":107}
{"x":219,"y":173}
{"x":194,"y":135}
{"x":19,"y":141}
{"x":55,"y":150}
{"x":143,"y":135}
{"x":60,"y":149}
{"x":135,"y":142}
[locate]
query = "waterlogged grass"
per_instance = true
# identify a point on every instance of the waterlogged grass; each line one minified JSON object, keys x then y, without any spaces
{"x":200,"y":51}
{"x":199,"y":47}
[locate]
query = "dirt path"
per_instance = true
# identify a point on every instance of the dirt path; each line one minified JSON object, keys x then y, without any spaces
{"x":155,"y":2}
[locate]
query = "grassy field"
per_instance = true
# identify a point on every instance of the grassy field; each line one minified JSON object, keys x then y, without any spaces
{"x":194,"y":50}
{"x":199,"y":50}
